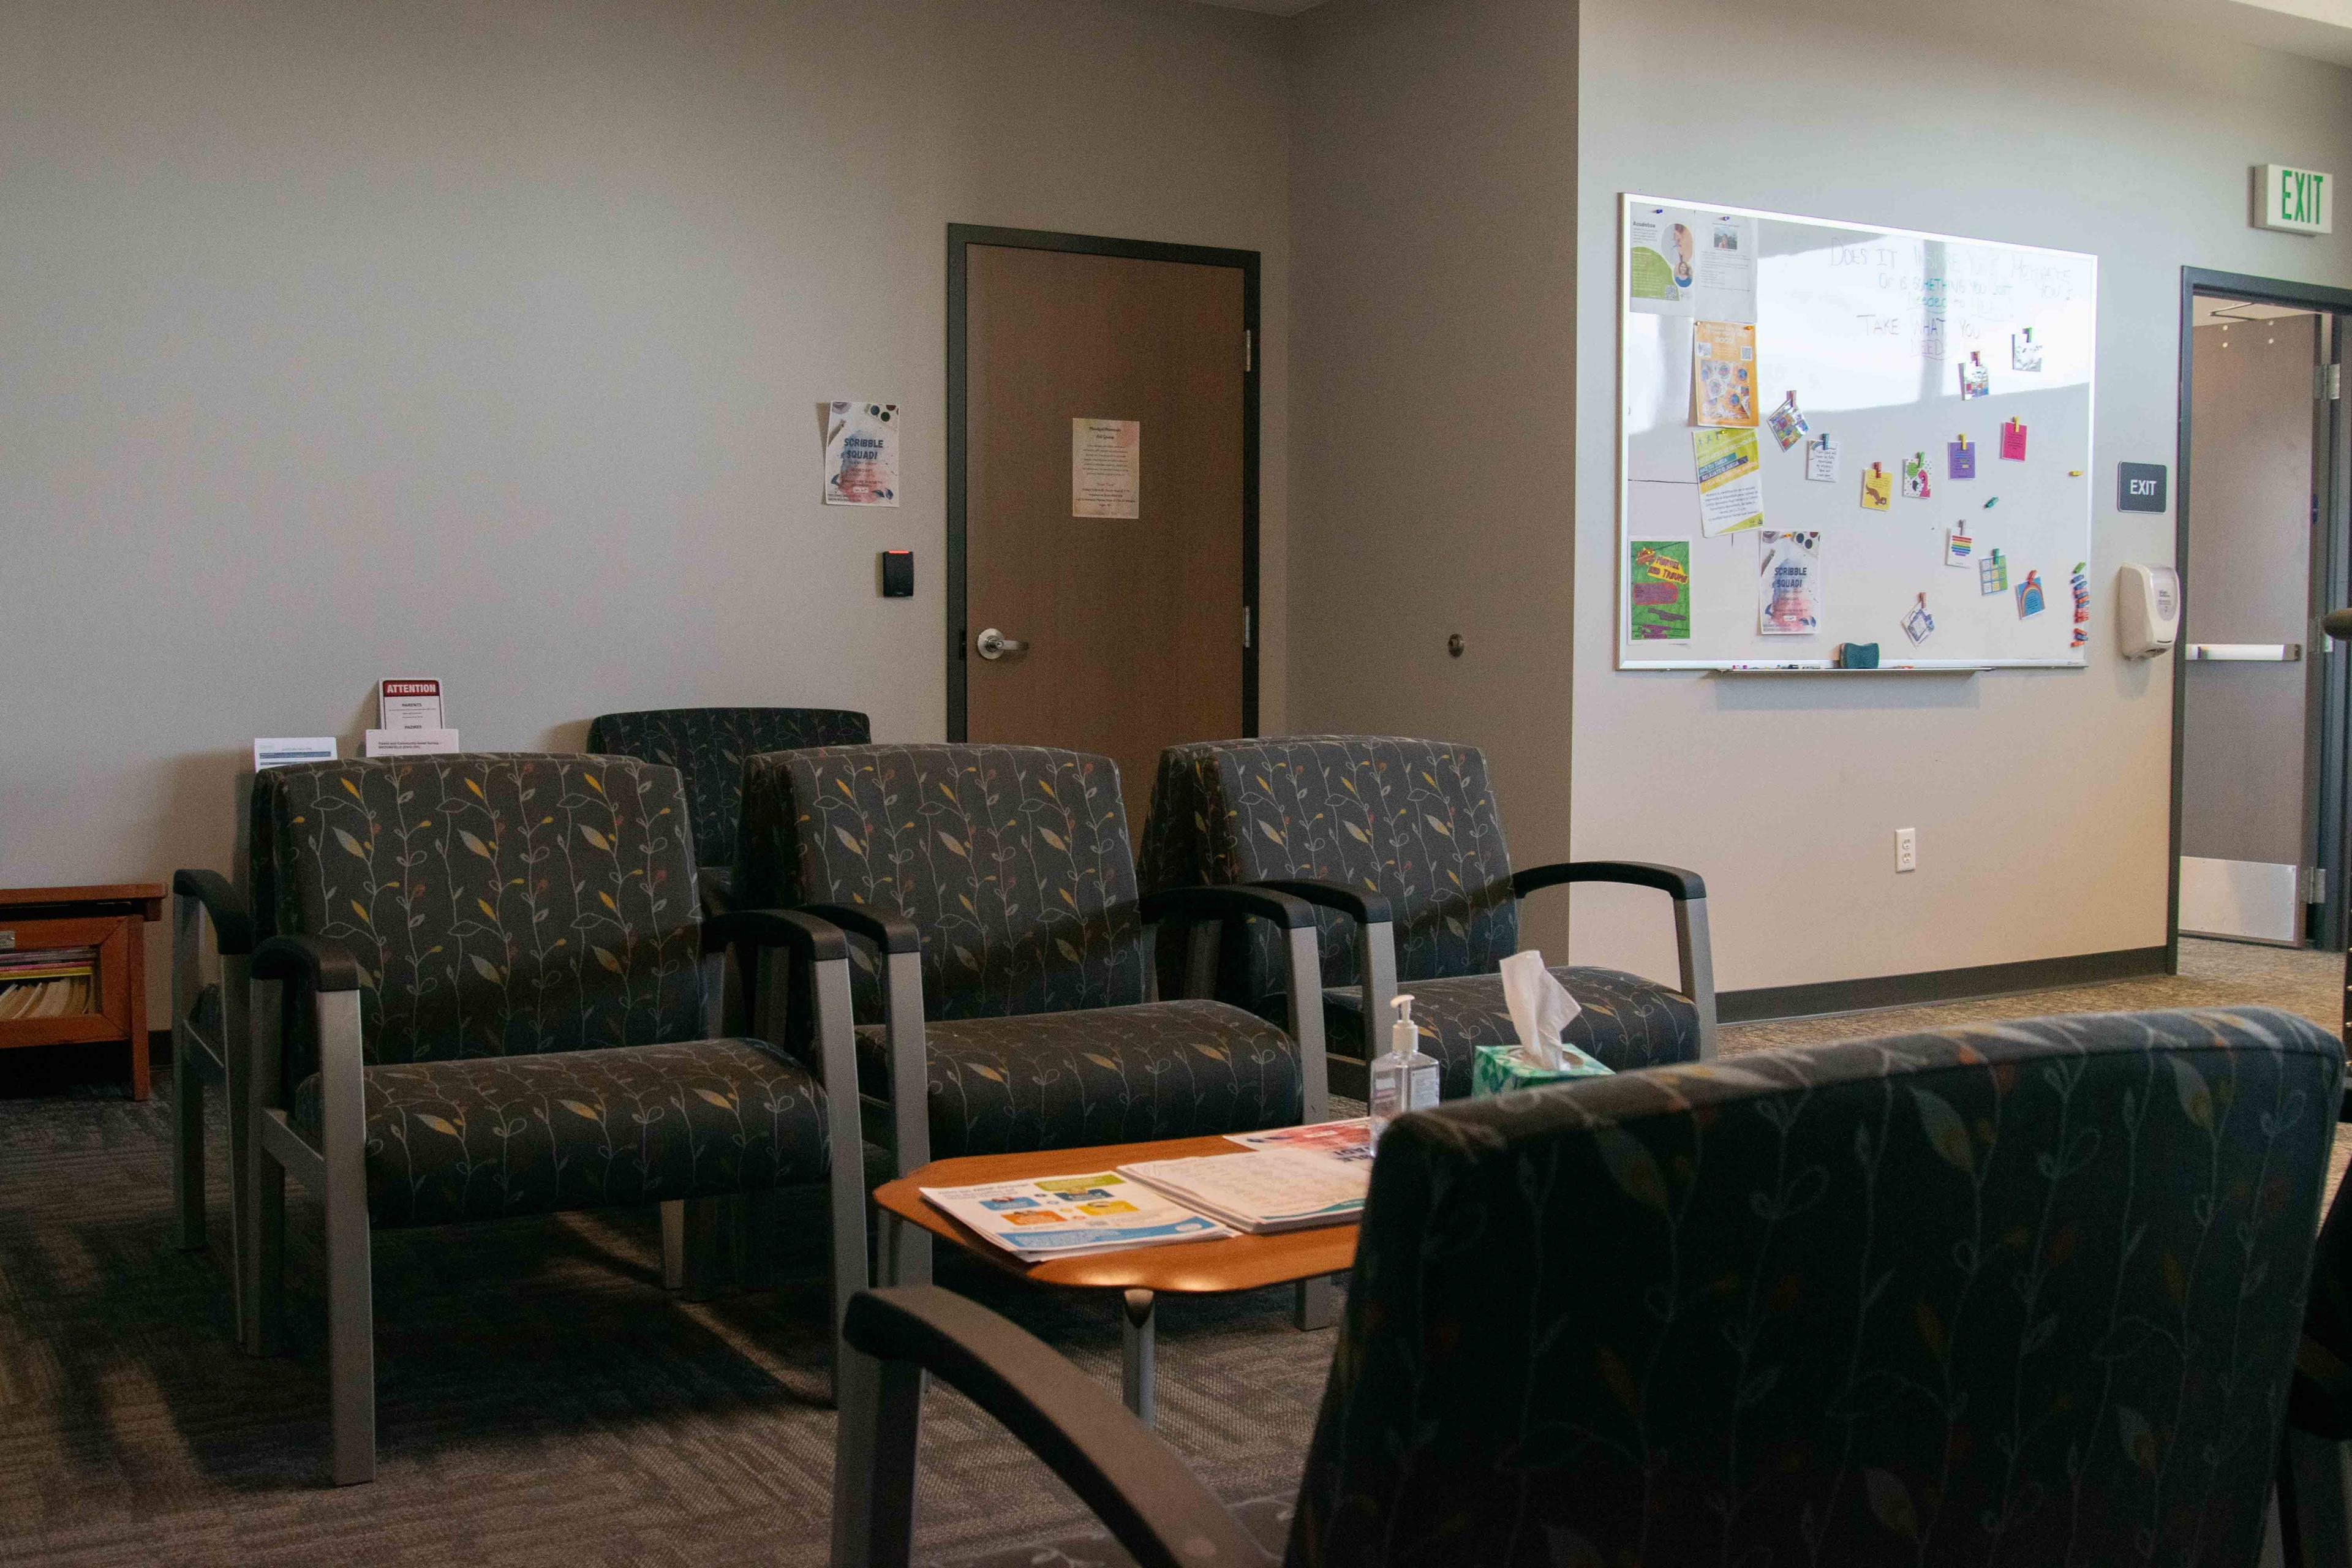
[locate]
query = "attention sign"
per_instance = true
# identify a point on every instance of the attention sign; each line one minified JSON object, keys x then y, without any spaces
{"x":2300,"y":201}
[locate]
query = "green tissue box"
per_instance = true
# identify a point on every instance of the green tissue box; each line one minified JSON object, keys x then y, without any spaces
{"x":1499,"y":1070}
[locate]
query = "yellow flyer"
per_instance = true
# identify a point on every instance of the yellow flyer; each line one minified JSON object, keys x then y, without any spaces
{"x":1723,"y":373}
{"x":1731,"y":480}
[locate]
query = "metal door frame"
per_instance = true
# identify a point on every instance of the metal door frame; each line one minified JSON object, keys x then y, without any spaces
{"x":2328,"y":673}
{"x":962,"y":236}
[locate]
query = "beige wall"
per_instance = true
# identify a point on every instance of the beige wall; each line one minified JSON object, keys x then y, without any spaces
{"x":1433,"y":151}
{"x":2041,"y":798}
{"x":485,"y":341}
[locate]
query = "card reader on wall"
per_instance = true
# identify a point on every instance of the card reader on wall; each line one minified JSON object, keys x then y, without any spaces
{"x":2147,"y":609}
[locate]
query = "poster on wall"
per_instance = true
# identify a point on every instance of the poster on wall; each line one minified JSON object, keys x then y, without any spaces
{"x":1683,"y":261}
{"x":1731,"y":480}
{"x":861,"y":454}
{"x":1788,"y":584}
{"x":1105,"y":468}
{"x":1660,"y":592}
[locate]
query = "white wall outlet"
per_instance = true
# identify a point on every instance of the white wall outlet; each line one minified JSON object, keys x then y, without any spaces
{"x":1906,"y":849}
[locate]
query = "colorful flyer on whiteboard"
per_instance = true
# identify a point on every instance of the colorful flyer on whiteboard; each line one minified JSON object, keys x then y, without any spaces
{"x":2029,"y":598}
{"x":1960,"y":460}
{"x":1727,"y":261}
{"x":1918,"y":623}
{"x":1822,"y":455}
{"x":1959,"y":547}
{"x":1915,"y":476}
{"x":1788,"y":584}
{"x":1787,"y":423}
{"x":1661,"y":260}
{"x":2024,"y":353}
{"x":1723,"y":373}
{"x":1992,"y":575}
{"x":1877,"y":489}
{"x":1975,"y":380}
{"x":1659,"y":595}
{"x":1731,"y":480}
{"x":861,"y":454}
{"x":1105,"y":468}
{"x":2012,"y":441}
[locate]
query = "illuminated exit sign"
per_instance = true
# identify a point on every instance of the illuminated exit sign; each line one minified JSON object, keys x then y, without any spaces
{"x":2301,"y":201}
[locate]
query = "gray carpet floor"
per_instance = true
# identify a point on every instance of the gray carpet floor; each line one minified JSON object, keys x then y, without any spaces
{"x":543,"y":1401}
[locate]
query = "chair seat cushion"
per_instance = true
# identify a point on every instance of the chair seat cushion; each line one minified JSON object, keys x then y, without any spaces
{"x":1104,"y":1075}
{"x":491,"y":1137}
{"x":1628,"y":1022}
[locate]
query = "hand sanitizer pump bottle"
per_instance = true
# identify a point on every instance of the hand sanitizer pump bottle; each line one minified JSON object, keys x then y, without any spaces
{"x":1405,"y":1077}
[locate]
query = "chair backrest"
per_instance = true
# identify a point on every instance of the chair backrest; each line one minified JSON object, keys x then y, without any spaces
{"x":1414,"y":820}
{"x":497,"y":904}
{"x":709,"y":746}
{"x":1013,"y":861}
{"x":2020,"y":1293}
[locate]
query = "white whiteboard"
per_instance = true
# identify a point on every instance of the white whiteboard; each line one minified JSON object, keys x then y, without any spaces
{"x":1870,"y":328}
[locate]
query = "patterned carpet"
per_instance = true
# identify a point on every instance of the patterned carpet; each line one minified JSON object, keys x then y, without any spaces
{"x":543,"y":1401}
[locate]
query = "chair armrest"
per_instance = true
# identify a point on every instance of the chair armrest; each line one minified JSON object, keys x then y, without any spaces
{"x":808,"y":936}
{"x":1363,"y":908}
{"x":891,"y":934}
{"x":232,"y":924}
{"x":1131,"y":1481}
{"x":1670,"y":880}
{"x":1228,"y":902}
{"x":320,"y":965}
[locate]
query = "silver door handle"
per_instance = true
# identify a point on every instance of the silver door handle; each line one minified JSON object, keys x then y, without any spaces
{"x":2247,"y":652}
{"x":993,"y":644}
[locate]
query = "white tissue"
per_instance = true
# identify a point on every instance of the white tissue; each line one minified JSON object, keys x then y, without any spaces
{"x":1540,"y":1009}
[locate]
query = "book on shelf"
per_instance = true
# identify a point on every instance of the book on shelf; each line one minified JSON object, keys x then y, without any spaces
{"x":58,"y":998}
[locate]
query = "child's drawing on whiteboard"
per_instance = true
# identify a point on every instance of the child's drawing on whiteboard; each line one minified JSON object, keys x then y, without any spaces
{"x":1915,"y":476}
{"x":1788,"y":584}
{"x":2024,"y":353}
{"x":2012,"y":441}
{"x":1975,"y":380}
{"x":1919,"y":624}
{"x":1877,"y":489}
{"x":2029,"y":598}
{"x":1787,"y":423}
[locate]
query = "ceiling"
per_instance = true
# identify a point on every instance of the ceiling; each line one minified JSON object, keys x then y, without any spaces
{"x":2213,"y":311}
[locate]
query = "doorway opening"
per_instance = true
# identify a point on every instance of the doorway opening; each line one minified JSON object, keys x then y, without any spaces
{"x":2263,"y":549}
{"x":1102,"y":573}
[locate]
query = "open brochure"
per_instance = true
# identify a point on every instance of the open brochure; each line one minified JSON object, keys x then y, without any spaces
{"x":1068,"y":1216}
{"x":1292,"y":1178}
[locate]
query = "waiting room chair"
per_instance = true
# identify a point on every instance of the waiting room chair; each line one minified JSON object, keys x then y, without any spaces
{"x":1013,"y":1006}
{"x":709,"y":746}
{"x":502,"y":973}
{"x":2019,"y":1293}
{"x":2315,"y":1520}
{"x":1400,"y":842}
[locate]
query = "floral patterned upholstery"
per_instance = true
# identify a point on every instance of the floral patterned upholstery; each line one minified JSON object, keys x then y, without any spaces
{"x":1627,"y":1022}
{"x":532,"y":989}
{"x":498,"y":905}
{"x":2019,"y":1293}
{"x":1112,"y":1075}
{"x":1417,"y":822}
{"x":709,"y":746}
{"x":1012,"y":863}
{"x":494,"y":1137}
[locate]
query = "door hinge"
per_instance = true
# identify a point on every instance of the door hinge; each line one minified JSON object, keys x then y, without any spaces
{"x":1246,"y":627}
{"x":2314,"y":884}
{"x":1249,"y":351}
{"x":2328,"y":383}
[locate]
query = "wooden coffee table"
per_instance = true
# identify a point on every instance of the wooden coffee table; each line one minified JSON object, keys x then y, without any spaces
{"x":1304,"y":1258}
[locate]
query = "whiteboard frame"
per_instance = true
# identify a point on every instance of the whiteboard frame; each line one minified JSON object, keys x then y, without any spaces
{"x":1626,"y":201}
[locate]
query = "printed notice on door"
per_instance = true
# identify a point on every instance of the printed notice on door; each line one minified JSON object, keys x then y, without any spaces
{"x":1105,"y":468}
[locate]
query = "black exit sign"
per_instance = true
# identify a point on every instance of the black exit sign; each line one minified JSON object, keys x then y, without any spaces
{"x":2139,"y":487}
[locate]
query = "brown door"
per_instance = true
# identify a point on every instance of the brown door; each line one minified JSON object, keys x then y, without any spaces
{"x":1105,"y":507}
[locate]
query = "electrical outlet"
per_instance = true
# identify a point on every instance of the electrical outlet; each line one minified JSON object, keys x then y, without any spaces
{"x":1906,"y":849}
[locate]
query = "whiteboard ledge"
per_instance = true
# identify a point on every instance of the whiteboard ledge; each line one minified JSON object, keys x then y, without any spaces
{"x":1948,"y":667}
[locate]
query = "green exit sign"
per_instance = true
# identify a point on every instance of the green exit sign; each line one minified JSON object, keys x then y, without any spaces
{"x":2300,"y":201}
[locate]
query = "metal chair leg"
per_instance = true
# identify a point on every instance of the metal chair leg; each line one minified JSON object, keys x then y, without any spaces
{"x":673,"y":1237}
{"x":874,"y":1462}
{"x":187,"y":1138}
{"x":1137,"y":1344}
{"x":1317,"y":1305}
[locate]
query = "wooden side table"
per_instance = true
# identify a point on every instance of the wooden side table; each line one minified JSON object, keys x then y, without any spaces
{"x":109,"y":925}
{"x":1305,"y":1257}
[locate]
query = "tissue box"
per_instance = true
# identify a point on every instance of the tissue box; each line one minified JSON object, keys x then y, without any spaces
{"x":1499,"y":1070}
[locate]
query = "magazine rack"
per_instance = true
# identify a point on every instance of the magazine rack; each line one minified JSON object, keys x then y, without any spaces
{"x":109,"y":924}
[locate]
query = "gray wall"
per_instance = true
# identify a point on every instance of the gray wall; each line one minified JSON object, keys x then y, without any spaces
{"x":484,"y":342}
{"x":2041,"y":798}
{"x":2249,"y":523}
{"x":1434,"y":154}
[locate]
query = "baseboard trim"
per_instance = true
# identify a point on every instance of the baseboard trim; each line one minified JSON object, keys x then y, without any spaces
{"x":1768,"y":1003}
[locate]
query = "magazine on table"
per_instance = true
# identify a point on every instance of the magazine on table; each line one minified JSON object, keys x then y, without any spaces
{"x":1068,"y":1216}
{"x":1292,"y":1178}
